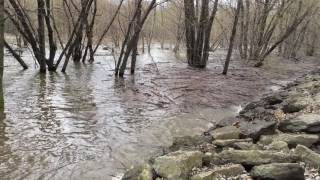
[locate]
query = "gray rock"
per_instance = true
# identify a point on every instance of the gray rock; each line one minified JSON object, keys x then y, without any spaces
{"x":177,"y":165}
{"x":228,"y":121}
{"x":279,"y":146}
{"x":273,"y":99}
{"x":143,"y":172}
{"x":247,"y":146}
{"x":208,"y":157}
{"x":296,"y":104}
{"x":255,"y":129}
{"x":252,"y":157}
{"x":208,"y":175}
{"x":188,"y":142}
{"x":292,"y":108}
{"x":278,"y":171}
{"x":228,"y":132}
{"x":230,"y":142}
{"x":308,"y":156}
{"x":292,"y":139}
{"x":228,"y":171}
{"x":309,"y":123}
{"x":309,"y":85}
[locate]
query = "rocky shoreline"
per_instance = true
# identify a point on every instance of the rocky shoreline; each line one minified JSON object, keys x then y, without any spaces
{"x":275,"y":138}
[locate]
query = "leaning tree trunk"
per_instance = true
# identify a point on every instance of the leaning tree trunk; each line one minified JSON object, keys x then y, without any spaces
{"x":232,"y":37}
{"x":16,"y":55}
{"x":130,"y":38}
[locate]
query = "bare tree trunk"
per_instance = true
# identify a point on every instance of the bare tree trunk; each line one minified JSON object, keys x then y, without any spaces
{"x":232,"y":37}
{"x":135,"y":44}
{"x":150,"y":35}
{"x":41,"y":35}
{"x":198,"y":32}
{"x":311,"y":46}
{"x":179,"y":35}
{"x":241,"y":38}
{"x":130,"y":39}
{"x":143,"y":44}
{"x":190,"y":20}
{"x":89,"y":34}
{"x":2,"y":20}
{"x":52,"y":44}
{"x":246,"y":29}
{"x":288,"y":32}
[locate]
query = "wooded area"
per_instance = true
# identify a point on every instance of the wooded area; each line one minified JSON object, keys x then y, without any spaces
{"x":56,"y":31}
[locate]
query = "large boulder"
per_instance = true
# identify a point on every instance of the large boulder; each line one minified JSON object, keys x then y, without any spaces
{"x":177,"y":165}
{"x":308,"y":156}
{"x":228,"y":132}
{"x":228,"y":171}
{"x":278,"y":171}
{"x":142,"y":172}
{"x":309,"y":123}
{"x":252,"y":157}
{"x":292,"y":139}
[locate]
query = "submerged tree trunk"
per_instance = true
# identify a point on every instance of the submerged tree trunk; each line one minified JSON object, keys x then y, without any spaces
{"x":131,"y":38}
{"x":52,"y":43}
{"x":41,"y":35}
{"x":198,"y":27}
{"x":136,"y":42}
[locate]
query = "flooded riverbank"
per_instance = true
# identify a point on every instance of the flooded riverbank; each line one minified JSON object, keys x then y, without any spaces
{"x":87,"y":125}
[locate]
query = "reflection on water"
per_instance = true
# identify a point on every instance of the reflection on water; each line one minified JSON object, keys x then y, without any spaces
{"x":87,"y":125}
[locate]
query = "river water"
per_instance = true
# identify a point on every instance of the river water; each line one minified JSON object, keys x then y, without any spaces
{"x":86,"y":124}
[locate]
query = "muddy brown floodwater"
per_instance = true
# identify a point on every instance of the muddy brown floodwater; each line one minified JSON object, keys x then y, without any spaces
{"x":87,"y":125}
